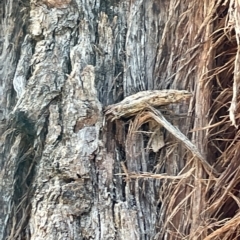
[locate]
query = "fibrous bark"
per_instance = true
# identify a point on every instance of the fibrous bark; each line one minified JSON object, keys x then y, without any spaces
{"x":67,"y":170}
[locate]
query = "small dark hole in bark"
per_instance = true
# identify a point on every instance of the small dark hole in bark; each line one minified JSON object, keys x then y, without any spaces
{"x":159,"y":206}
{"x":124,"y":190}
{"x":78,"y":176}
{"x":69,"y":180}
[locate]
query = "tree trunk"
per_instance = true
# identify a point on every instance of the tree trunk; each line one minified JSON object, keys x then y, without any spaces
{"x":76,"y":162}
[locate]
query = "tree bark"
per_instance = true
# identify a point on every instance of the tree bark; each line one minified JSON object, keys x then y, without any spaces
{"x":68,"y":170}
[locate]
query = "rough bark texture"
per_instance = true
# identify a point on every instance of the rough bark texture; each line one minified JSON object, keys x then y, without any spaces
{"x":69,"y":172}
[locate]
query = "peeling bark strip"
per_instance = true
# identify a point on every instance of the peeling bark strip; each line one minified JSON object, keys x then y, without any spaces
{"x":158,"y":116}
{"x":135,"y":103}
{"x":148,"y":99}
{"x":146,"y":175}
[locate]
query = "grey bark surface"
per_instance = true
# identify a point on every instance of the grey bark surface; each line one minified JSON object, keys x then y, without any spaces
{"x":61,"y":63}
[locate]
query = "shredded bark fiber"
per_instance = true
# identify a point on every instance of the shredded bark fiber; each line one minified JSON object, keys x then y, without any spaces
{"x":135,"y":103}
{"x":210,"y":202}
{"x":147,"y":99}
